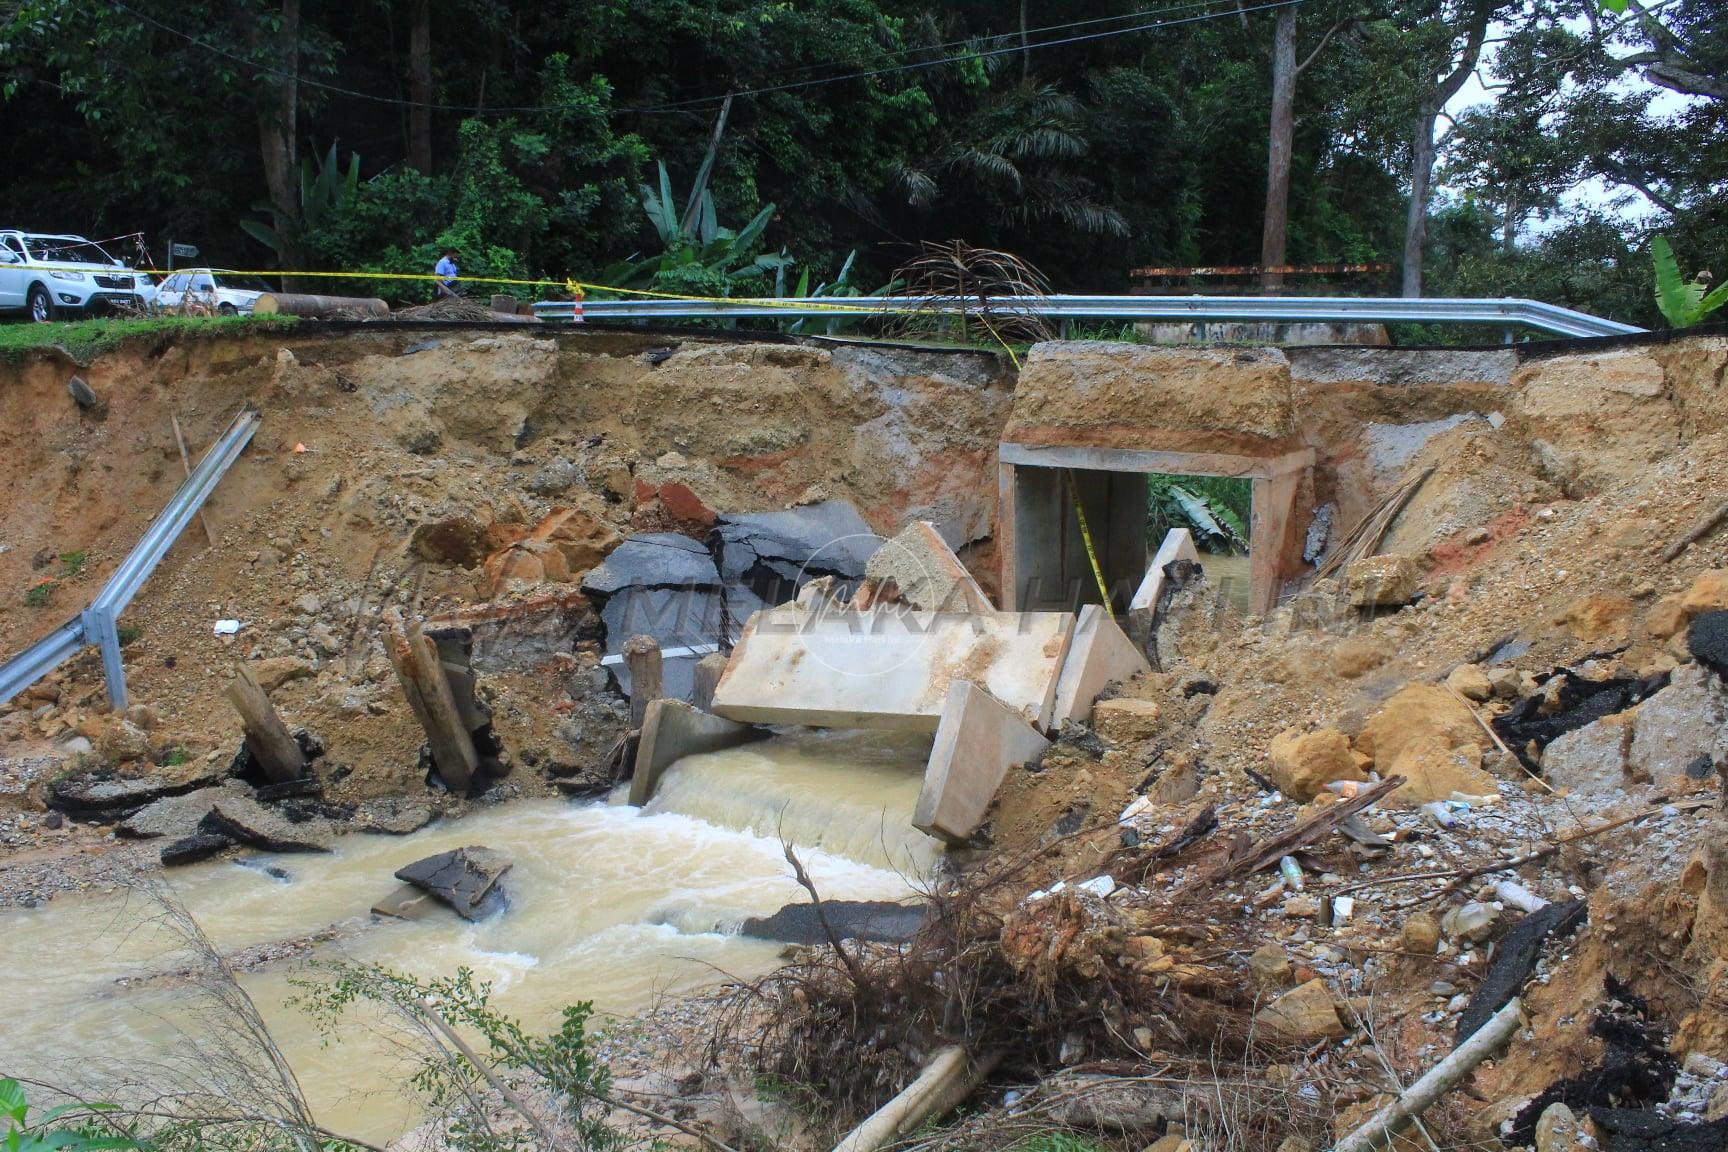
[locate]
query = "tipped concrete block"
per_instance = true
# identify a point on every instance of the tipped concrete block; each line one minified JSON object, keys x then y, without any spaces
{"x":926,"y":572}
{"x":672,"y":730}
{"x":1143,"y":608}
{"x":889,"y":667}
{"x":1099,"y":654}
{"x":977,"y":742}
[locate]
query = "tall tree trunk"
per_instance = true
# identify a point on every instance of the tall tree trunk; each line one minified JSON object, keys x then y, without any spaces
{"x":1421,"y":180}
{"x":1282,"y":128}
{"x":1509,"y":225}
{"x":420,"y":88}
{"x":279,"y":125}
{"x":1422,"y":143}
{"x":1025,"y":50}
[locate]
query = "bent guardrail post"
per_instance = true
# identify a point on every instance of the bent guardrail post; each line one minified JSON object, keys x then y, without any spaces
{"x":98,"y":623}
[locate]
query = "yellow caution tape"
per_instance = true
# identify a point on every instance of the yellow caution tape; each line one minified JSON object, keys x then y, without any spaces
{"x":581,"y":289}
{"x":1086,"y":536}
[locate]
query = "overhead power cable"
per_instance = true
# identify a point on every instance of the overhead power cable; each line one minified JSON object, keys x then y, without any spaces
{"x":679,"y":105}
{"x":966,"y":41}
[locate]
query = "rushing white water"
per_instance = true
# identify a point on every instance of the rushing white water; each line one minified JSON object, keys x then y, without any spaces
{"x":607,"y":903}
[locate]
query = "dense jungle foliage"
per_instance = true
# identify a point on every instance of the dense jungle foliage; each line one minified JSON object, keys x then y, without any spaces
{"x":1091,"y":137}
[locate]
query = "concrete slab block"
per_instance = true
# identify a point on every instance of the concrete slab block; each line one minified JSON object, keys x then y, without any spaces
{"x":1178,"y":545}
{"x":926,"y":572}
{"x":889,"y":667}
{"x":672,"y":730}
{"x":978,"y":741}
{"x":1099,"y":654}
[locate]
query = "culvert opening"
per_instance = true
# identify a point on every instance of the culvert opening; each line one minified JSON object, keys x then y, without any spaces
{"x":1084,"y":535}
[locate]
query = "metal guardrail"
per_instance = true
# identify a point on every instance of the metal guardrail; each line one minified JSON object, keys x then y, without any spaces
{"x":97,"y":623}
{"x":1508,"y":312}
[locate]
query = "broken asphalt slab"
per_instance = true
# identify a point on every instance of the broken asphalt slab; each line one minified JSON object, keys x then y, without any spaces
{"x":466,"y":879}
{"x":249,"y":822}
{"x":775,"y":553}
{"x":875,"y":921}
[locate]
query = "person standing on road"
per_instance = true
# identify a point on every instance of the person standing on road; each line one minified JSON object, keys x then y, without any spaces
{"x":447,"y":272}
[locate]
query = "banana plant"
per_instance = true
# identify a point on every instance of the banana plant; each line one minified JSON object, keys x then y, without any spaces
{"x":839,"y":288}
{"x":1683,"y":302}
{"x":698,"y":250}
{"x":323,"y":189}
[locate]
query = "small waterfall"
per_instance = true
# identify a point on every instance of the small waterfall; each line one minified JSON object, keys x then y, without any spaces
{"x":845,"y":792}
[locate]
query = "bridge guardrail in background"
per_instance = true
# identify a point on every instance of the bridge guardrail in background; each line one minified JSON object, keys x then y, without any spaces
{"x":1507,"y":312}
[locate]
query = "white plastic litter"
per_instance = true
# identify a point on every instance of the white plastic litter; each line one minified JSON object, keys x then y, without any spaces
{"x":1343,"y":907}
{"x":227,"y":627}
{"x":1099,"y":886}
{"x":1139,"y":805}
{"x":1518,"y":896}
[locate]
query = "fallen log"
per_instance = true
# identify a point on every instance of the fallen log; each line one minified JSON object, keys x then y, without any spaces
{"x":950,"y":1076}
{"x":316,"y":307}
{"x":1378,"y":1130}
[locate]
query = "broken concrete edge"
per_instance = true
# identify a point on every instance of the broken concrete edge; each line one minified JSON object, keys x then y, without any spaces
{"x":926,"y":572}
{"x":672,"y":730}
{"x":1178,"y":544}
{"x":889,"y":668}
{"x":1099,"y":654}
{"x":977,"y":742}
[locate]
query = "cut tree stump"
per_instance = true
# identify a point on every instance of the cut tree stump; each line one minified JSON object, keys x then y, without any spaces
{"x":421,"y":674}
{"x":267,"y":737}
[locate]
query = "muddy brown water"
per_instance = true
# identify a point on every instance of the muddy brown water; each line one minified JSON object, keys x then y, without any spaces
{"x":608,"y":903}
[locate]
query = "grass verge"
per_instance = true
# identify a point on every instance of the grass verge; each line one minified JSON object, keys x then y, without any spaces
{"x":84,"y":340}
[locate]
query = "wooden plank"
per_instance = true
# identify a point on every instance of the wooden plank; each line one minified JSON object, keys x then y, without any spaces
{"x":421,"y":675}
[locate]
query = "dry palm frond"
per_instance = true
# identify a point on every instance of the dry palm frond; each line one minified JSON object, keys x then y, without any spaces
{"x":1364,"y":539}
{"x":998,"y":295}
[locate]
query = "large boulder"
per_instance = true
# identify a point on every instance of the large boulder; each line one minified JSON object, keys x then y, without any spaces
{"x":1591,"y":761}
{"x":1607,"y":411}
{"x":1416,"y":711}
{"x":1681,"y":730}
{"x":1303,"y":763}
{"x":1381,"y":581}
{"x":1434,"y":770}
{"x":1305,"y":1014}
{"x":466,"y":879}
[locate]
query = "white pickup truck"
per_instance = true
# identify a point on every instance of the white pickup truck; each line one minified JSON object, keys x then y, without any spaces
{"x":48,"y":277}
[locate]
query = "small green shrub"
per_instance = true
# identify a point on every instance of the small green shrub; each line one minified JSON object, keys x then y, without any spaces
{"x":175,"y":757}
{"x":39,"y":595}
{"x":561,"y":1066}
{"x":45,"y":1134}
{"x":1057,"y":1142}
{"x":128,"y":633}
{"x":72,"y":563}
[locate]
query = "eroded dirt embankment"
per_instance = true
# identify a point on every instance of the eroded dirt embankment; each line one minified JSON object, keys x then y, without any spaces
{"x":1536,"y":543}
{"x":388,"y":470}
